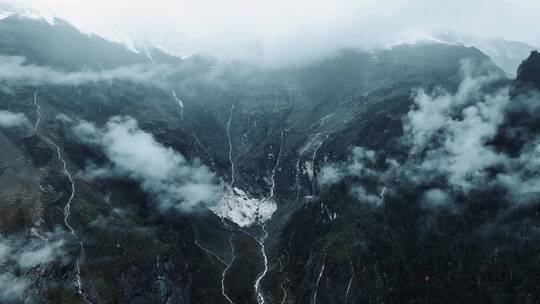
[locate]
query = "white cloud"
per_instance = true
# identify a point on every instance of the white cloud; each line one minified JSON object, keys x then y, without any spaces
{"x":20,"y":254}
{"x":282,"y":30}
{"x":364,"y":196}
{"x":435,"y":198}
{"x":12,"y":288}
{"x":434,"y":110}
{"x":451,"y":135}
{"x":360,"y":161}
{"x":522,"y":176}
{"x":450,"y":131}
{"x":360,"y":164}
{"x":330,"y":174}
{"x":29,"y":253}
{"x":10,"y":119}
{"x":174,"y":182}
{"x":14,"y":70}
{"x":40,"y":254}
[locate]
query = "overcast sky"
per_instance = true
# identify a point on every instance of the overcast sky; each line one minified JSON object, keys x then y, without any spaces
{"x":280,"y":30}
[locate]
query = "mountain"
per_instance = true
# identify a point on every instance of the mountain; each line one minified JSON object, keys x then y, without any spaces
{"x":60,"y":45}
{"x":508,"y":55}
{"x":529,"y":70}
{"x":387,"y":176}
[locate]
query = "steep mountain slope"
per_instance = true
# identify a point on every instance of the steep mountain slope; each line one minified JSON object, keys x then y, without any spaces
{"x":529,"y":71}
{"x":265,"y":138}
{"x":60,"y":45}
{"x":409,"y":241}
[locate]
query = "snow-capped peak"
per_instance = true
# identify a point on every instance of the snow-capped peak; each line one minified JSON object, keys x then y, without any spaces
{"x":103,"y":29}
{"x":37,"y":13}
{"x":415,"y":37}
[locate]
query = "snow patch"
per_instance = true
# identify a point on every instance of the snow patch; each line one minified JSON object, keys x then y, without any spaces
{"x":41,"y":12}
{"x":414,"y":37}
{"x":5,"y":14}
{"x":38,"y":12}
{"x":242,"y":209}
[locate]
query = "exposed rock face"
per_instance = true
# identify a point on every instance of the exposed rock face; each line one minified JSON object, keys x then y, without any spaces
{"x":529,"y":70}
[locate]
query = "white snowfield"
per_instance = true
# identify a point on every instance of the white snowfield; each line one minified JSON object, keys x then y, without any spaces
{"x":242,"y":209}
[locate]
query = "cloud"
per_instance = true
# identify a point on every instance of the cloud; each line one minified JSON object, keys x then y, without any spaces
{"x":40,"y":254}
{"x":12,"y":288}
{"x":435,"y":198}
{"x":480,"y":138}
{"x":330,"y":174}
{"x":174,"y":182}
{"x":453,"y":136}
{"x":29,"y":253}
{"x":10,"y":119}
{"x":522,"y":174}
{"x":360,"y":165}
{"x":19,"y":255}
{"x":281,"y":31}
{"x":450,"y":131}
{"x":14,"y":70}
{"x":364,"y":196}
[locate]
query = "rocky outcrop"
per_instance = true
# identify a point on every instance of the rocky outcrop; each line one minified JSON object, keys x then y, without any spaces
{"x":529,"y":70}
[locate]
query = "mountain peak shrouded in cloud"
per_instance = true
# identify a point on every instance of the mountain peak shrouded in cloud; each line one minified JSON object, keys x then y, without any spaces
{"x":507,"y":54}
{"x":281,"y":32}
{"x":61,"y":45}
{"x":306,"y":151}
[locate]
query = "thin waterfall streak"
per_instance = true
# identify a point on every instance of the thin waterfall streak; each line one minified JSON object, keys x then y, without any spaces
{"x":297,"y":175}
{"x":349,"y":284}
{"x":282,"y":284}
{"x":381,"y":195}
{"x":284,"y":294}
{"x":202,"y":146}
{"x":224,"y":273}
{"x":260,"y":297}
{"x":314,"y":181}
{"x":37,"y":107}
{"x":230,"y":144}
{"x":80,"y":288}
{"x":179,"y":102}
{"x":272,"y":189}
{"x":297,"y":180}
{"x":67,"y":207}
{"x":260,"y":241}
{"x":208,"y":251}
{"x":198,"y":141}
{"x":314,"y":299}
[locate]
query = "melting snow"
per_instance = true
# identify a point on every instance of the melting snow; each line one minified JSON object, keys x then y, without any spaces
{"x":244,"y":210}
